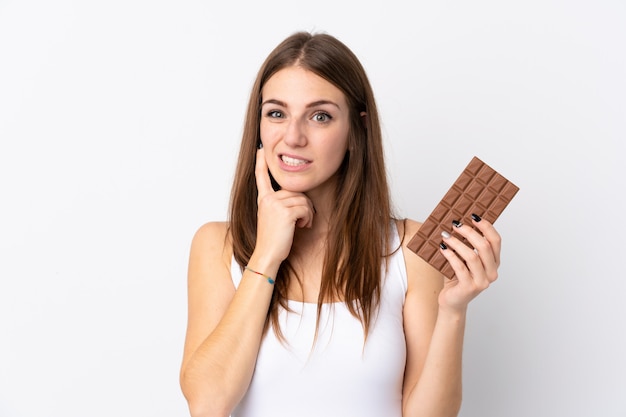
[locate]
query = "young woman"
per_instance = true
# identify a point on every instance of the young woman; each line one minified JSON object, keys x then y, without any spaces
{"x":307,"y":302}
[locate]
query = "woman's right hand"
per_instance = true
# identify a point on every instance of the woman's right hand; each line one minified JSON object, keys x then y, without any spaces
{"x":279,"y":213}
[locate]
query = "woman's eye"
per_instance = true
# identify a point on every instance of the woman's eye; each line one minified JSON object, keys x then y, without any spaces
{"x":275,"y":114}
{"x":322,"y":117}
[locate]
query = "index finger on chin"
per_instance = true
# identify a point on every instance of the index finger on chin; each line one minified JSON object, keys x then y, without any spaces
{"x":263,"y":183}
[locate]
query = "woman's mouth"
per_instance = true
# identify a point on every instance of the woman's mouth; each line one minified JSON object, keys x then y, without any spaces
{"x":293,"y":162}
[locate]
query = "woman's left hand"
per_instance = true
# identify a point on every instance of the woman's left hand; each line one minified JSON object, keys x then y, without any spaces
{"x":475,"y":269}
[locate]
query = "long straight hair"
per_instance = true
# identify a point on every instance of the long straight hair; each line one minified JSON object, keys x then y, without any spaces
{"x":359,"y":230}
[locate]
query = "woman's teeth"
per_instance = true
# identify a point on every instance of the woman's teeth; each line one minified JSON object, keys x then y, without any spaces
{"x":292,"y":161}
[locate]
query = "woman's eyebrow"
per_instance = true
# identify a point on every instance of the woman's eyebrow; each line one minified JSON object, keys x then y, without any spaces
{"x":312,"y":104}
{"x":322,"y":102}
{"x":274,"y":101}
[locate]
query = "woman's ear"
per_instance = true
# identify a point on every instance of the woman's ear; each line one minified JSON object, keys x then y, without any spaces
{"x":364,"y":118}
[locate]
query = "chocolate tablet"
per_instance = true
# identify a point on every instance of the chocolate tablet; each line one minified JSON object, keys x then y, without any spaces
{"x":480,"y":190}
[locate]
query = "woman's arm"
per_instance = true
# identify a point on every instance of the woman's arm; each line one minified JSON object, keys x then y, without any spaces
{"x":434,"y":319}
{"x":224,"y":326}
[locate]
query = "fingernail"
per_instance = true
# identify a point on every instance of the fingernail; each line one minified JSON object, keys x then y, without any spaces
{"x":476,"y":217}
{"x":445,"y":235}
{"x":457,"y":223}
{"x":443,"y":246}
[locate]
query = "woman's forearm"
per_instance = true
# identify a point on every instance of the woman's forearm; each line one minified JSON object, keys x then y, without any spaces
{"x":438,"y":392}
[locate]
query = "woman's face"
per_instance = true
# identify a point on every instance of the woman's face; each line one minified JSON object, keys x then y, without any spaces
{"x":304,"y":129}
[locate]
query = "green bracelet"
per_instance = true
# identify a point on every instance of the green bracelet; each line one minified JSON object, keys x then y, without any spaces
{"x":269,"y":279}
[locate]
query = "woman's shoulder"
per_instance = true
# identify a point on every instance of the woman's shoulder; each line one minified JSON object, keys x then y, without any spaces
{"x":407,"y":228}
{"x":212,"y":229}
{"x":419,"y":272}
{"x":213,"y":239}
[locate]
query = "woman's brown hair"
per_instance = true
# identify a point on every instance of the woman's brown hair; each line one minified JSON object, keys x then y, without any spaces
{"x":359,"y":231}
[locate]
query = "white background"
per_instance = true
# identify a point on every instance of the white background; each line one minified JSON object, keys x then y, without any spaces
{"x":119,"y":127}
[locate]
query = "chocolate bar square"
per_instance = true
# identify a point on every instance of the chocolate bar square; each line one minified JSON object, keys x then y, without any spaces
{"x":480,"y":190}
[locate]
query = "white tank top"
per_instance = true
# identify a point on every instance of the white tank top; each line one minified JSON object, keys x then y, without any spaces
{"x":339,"y":375}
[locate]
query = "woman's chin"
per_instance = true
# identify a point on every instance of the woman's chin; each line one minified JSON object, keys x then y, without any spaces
{"x":289,"y":184}
{"x":293,"y":188}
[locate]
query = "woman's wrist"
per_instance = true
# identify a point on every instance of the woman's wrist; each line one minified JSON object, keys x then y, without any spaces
{"x":261,"y":274}
{"x":452,"y":314}
{"x":263,"y":265}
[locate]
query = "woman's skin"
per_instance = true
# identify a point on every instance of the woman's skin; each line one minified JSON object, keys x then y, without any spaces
{"x":304,"y":127}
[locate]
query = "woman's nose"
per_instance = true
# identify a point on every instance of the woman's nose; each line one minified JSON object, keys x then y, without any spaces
{"x":295,"y":134}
